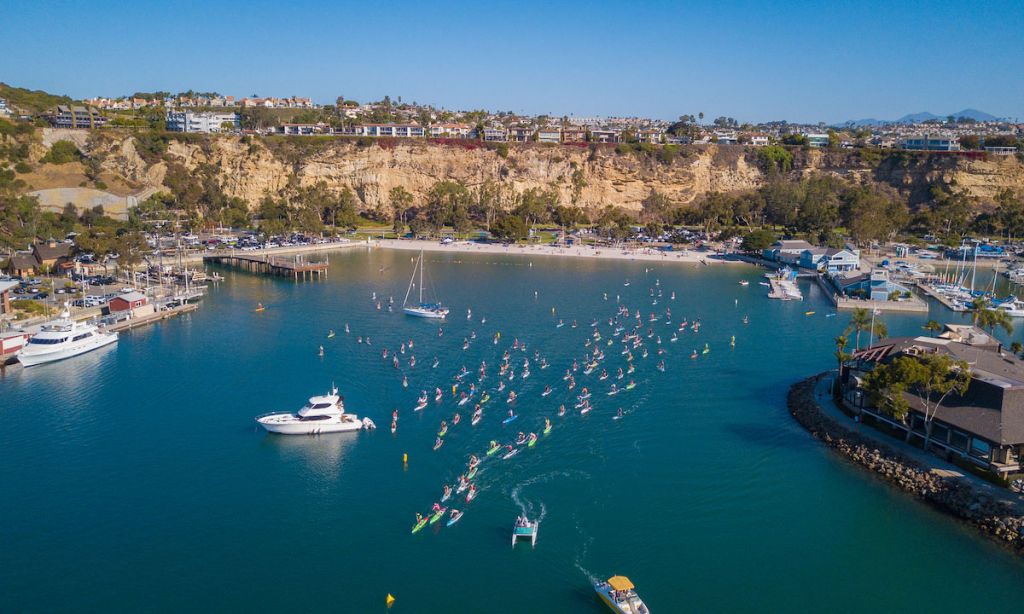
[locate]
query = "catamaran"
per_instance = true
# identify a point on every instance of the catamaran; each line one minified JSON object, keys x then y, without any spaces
{"x":422,"y":310}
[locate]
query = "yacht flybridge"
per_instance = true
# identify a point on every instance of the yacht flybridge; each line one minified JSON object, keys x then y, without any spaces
{"x":322,"y":414}
{"x":422,"y":310}
{"x":63,"y":338}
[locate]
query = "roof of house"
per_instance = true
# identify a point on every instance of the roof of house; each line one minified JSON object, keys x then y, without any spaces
{"x":131,"y":297}
{"x":792,"y":244}
{"x":996,"y":416}
{"x":7,"y":285}
{"x":23,"y":262}
{"x":51,"y":251}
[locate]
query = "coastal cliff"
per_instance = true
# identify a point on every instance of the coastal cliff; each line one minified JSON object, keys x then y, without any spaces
{"x":591,"y":177}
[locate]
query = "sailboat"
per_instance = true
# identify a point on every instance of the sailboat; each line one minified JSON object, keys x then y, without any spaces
{"x":422,"y":310}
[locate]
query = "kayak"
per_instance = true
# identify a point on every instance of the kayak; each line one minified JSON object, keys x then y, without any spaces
{"x":420,"y":406}
{"x":509,"y":419}
{"x":510,"y":454}
{"x":471,"y":495}
{"x":630,"y":386}
{"x":471,"y":474}
{"x":456,"y":515}
{"x":547,"y":430}
{"x":491,"y":451}
{"x":438,"y":445}
{"x":532,"y":442}
{"x":438,"y":514}
{"x":446,"y":496}
{"x":422,"y":523}
{"x":475,"y":420}
{"x":485,"y":398}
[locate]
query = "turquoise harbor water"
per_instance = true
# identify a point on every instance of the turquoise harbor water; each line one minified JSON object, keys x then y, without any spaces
{"x":134,"y":479}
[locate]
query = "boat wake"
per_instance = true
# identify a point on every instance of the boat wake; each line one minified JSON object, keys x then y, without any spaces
{"x":526,"y":507}
{"x":579,"y":558}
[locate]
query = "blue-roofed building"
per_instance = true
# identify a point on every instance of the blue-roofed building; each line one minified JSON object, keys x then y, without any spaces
{"x":830,"y":260}
{"x":875,"y":286}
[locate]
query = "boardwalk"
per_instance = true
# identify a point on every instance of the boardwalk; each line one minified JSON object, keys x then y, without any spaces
{"x":295,"y":267}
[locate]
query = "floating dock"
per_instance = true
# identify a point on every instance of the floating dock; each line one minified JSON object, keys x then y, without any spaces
{"x":945,"y":300}
{"x":131,"y":323}
{"x":295,"y":267}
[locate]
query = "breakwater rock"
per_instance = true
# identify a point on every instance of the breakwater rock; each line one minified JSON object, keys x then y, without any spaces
{"x":952,"y":495}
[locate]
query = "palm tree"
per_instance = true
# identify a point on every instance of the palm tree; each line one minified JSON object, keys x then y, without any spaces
{"x":978,"y":305}
{"x":992,"y":318}
{"x":860,"y":320}
{"x":879,"y":329}
{"x":932,"y":326}
{"x":842,"y":356}
{"x":1016,"y":347}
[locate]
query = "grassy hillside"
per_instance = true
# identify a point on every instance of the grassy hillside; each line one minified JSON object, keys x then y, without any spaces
{"x":30,"y":101}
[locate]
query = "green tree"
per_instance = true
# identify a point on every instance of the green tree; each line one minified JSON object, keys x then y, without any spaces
{"x":929,"y":377}
{"x":932,"y":327}
{"x":401,"y":202}
{"x":510,"y":228}
{"x":656,"y":207}
{"x":62,"y":152}
{"x":758,"y":240}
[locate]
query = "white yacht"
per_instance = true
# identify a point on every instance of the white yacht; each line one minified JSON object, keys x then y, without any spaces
{"x":1013,"y":308}
{"x":323,"y":414}
{"x":63,"y":338}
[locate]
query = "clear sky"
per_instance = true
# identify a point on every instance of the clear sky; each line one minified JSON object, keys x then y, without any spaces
{"x":792,"y":59}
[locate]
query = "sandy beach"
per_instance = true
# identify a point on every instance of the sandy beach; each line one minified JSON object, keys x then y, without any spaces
{"x":576,"y":251}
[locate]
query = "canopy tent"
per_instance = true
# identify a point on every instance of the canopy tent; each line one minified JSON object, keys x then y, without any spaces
{"x":620,"y":583}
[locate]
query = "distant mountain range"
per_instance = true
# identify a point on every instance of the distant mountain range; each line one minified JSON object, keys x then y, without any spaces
{"x":912,"y":118}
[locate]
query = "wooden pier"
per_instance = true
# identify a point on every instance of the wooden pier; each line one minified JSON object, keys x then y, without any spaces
{"x":164,"y":314}
{"x":295,"y":267}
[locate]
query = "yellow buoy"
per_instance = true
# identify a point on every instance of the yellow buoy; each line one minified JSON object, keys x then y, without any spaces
{"x":389,"y":600}
{"x":405,"y":458}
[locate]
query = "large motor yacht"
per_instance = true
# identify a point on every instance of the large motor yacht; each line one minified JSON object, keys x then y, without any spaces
{"x":323,"y":414}
{"x":63,"y":338}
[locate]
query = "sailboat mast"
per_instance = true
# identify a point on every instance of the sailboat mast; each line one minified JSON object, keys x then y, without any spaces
{"x":421,"y":277}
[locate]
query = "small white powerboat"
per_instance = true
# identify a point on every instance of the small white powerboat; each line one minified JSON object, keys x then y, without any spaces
{"x":322,"y":414}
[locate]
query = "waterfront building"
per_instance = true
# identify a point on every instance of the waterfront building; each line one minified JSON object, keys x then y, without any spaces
{"x":874,"y":285}
{"x":984,"y":426}
{"x":929,"y":142}
{"x":190,"y":121}
{"x":830,"y":260}
{"x":549,"y":135}
{"x":1001,"y":151}
{"x":76,"y":117}
{"x":759,"y":140}
{"x":134,"y":302}
{"x":787,"y":251}
{"x":5,"y":295}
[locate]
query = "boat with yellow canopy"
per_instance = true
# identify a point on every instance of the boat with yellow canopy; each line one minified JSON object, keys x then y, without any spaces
{"x":619,"y":594}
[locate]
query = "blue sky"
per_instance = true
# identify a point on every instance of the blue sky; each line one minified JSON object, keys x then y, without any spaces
{"x":755,"y":61}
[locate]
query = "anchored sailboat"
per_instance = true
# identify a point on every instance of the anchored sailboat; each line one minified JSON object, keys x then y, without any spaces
{"x":422,"y":310}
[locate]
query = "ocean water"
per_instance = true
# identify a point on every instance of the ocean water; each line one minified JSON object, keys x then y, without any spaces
{"x":134,"y":478}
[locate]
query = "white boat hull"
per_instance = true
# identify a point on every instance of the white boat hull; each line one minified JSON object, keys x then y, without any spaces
{"x":29,"y":356}
{"x":425,"y":313}
{"x":274,"y":424}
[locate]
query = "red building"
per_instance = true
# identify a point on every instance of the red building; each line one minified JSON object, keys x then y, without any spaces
{"x":128,"y":301}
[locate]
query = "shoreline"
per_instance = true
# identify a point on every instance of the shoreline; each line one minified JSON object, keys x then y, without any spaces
{"x":576,"y":251}
{"x":958,"y":498}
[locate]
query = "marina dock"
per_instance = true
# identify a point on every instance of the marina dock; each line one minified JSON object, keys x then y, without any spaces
{"x":296,"y":267}
{"x":935,"y":294}
{"x":152,"y":318}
